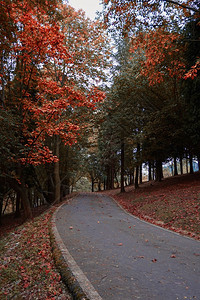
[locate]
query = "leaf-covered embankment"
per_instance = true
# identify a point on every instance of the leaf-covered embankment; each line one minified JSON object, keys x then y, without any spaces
{"x":27,"y":268}
{"x":173,"y":203}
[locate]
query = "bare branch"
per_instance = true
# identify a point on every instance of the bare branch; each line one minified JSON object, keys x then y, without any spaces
{"x":182,"y":5}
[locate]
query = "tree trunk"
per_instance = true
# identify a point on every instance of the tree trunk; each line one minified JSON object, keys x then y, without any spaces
{"x":67,"y":186}
{"x":181,"y":164}
{"x":140,"y":169}
{"x":149,"y":175}
{"x":92,"y":184}
{"x":191,"y":164}
{"x":112,"y":175}
{"x":57,"y":194}
{"x":186,"y":163}
{"x":153,"y":170}
{"x":136,"y":177}
{"x":122,"y":167}
{"x":137,"y":167}
{"x":99,"y":185}
{"x":159,"y":174}
{"x":25,"y":201}
{"x":2,"y":93}
{"x":130,"y":178}
{"x":132,"y":175}
{"x":175,"y":167}
{"x":1,"y":207}
{"x":17,"y":210}
{"x":198,"y":159}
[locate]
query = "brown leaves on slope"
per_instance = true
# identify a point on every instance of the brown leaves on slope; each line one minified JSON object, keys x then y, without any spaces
{"x":173,"y":204}
{"x":27,"y":269}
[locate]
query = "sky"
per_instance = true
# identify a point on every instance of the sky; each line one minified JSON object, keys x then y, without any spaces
{"x":89,"y":6}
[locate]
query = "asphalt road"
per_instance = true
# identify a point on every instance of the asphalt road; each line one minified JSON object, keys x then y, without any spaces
{"x":125,"y":258}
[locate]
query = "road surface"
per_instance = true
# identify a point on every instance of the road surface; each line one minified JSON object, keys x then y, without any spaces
{"x":125,"y":258}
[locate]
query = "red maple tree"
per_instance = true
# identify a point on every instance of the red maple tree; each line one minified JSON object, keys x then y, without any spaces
{"x":42,"y":67}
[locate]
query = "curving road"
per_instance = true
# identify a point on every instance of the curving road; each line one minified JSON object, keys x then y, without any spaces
{"x":125,"y":258}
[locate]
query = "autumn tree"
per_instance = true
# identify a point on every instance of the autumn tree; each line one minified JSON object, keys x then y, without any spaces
{"x":86,"y":43}
{"x":42,"y":72}
{"x":18,"y":57}
{"x":132,"y":16}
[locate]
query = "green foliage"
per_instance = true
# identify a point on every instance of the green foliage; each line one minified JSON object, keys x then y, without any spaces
{"x":191,"y":87}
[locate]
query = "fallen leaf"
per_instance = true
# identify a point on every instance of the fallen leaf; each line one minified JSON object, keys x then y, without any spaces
{"x":173,"y":256}
{"x":154,"y":260}
{"x":120,"y":244}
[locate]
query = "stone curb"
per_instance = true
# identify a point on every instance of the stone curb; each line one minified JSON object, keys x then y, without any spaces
{"x":72,"y":276}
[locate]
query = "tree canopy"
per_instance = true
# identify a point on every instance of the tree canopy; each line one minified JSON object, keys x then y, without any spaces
{"x":53,"y":60}
{"x":61,"y":119}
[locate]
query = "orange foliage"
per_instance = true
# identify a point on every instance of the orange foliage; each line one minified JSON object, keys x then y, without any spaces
{"x":159,"y":48}
{"x":192,"y":73}
{"x":162,"y":57}
{"x":47,"y":64}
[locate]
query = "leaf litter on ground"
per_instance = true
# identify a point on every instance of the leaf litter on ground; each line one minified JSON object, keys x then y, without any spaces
{"x":27,"y":269}
{"x":173,"y":203}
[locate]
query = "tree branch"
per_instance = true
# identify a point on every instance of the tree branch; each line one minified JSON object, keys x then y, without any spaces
{"x":182,"y":5}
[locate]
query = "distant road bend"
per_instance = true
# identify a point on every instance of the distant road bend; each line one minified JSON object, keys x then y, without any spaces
{"x":125,"y":258}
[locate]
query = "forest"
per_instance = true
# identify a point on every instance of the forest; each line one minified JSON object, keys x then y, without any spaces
{"x":95,"y":99}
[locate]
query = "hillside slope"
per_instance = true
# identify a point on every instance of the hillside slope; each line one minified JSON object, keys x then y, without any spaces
{"x":173,"y":203}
